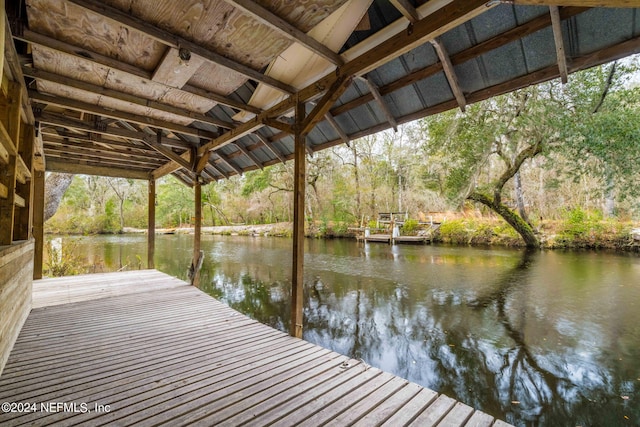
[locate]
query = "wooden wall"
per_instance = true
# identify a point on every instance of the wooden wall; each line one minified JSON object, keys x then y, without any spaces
{"x":17,"y":169}
{"x":16,"y":270}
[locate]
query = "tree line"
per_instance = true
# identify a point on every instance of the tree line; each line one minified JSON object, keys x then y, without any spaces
{"x":528,"y":156}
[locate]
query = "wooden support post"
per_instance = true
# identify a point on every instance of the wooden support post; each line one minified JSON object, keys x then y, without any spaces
{"x":10,"y":116}
{"x":298,"y":224}
{"x":197,"y":254}
{"x":151,"y":224}
{"x":38,"y":223}
{"x":23,"y":216}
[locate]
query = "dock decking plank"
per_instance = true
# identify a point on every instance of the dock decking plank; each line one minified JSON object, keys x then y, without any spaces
{"x":161,"y":352}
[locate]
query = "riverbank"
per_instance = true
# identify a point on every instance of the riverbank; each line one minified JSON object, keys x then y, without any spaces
{"x":561,"y":234}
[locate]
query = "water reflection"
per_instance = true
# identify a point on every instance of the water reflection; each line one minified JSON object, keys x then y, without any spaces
{"x":536,"y":338}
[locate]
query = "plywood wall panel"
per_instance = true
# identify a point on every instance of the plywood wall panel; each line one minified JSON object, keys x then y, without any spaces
{"x":16,"y":272}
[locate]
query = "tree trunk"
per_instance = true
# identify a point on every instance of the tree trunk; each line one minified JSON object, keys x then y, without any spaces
{"x":512,"y":218}
{"x":609,"y":197}
{"x":56,"y":185}
{"x":520,"y":197}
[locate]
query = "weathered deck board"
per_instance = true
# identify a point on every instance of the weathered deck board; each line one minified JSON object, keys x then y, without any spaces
{"x":160,"y":352}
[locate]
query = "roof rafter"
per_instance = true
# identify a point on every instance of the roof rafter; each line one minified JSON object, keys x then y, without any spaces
{"x":177,"y":42}
{"x":167,"y":152}
{"x":122,"y":96}
{"x":530,"y":27}
{"x":86,"y":55}
{"x":559,"y":42}
{"x":442,"y":20}
{"x":406,"y":9}
{"x":69,"y":123}
{"x":332,"y":121}
{"x":266,"y":143}
{"x":69,"y":166}
{"x":450,"y":73}
{"x":285,"y":29}
{"x":585,"y":3}
{"x":249,"y":154}
{"x":325,"y":103}
{"x":381,"y":103}
{"x":227,"y":161}
{"x":119,"y":115}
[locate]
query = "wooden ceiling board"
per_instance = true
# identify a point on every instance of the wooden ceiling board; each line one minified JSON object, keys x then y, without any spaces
{"x":73,"y":24}
{"x":217,"y":79}
{"x":215,"y":25}
{"x":88,"y":71}
{"x":69,"y":66}
{"x":149,"y":89}
{"x":187,"y":101}
{"x":303,"y":14}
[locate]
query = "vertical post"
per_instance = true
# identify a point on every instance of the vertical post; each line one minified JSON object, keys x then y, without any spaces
{"x":23,"y":221}
{"x":38,"y":223}
{"x":298,"y":224}
{"x":10,"y":115}
{"x":151,"y":224}
{"x":197,"y":261}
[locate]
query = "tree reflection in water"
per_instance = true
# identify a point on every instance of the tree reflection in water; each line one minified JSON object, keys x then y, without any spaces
{"x":489,"y":345}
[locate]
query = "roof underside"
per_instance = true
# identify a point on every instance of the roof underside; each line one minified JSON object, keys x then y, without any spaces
{"x":144,"y":88}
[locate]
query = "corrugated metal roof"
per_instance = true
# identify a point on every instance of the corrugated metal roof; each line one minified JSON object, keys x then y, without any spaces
{"x":491,"y":53}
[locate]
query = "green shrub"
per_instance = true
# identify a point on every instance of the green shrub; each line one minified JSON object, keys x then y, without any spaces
{"x":410,"y":227}
{"x":454,"y":231}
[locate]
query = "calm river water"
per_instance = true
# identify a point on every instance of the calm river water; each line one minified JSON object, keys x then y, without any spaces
{"x":535,"y":338}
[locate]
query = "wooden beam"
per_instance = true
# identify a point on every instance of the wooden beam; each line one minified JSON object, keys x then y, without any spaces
{"x":151,"y":223}
{"x":224,"y":159}
{"x":265,"y":142}
{"x":282,"y":27}
{"x":99,"y":161}
{"x":11,"y":122}
{"x":450,"y":73}
{"x":38,"y":223}
{"x":70,"y":123}
{"x":436,"y":24}
{"x":86,"y":107}
{"x":530,"y":27}
{"x":24,"y":183}
{"x":98,"y":141}
{"x":13,"y":66}
{"x":177,"y":42}
{"x":78,"y":168}
{"x":406,"y":9}
{"x":277,"y":124}
{"x":167,"y":152}
{"x":559,"y":42}
{"x":218,"y":170}
{"x":61,"y":148}
{"x":197,"y":235}
{"x":297,"y":275}
{"x":122,"y":96}
{"x":325,"y":103}
{"x":341,"y":133}
{"x":446,"y":18}
{"x":584,"y":3}
{"x":86,"y":55}
{"x":250,"y":155}
{"x":383,"y":105}
{"x":220,"y":99}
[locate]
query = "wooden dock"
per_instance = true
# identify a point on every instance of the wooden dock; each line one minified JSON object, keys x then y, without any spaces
{"x":147,"y":349}
{"x":387,"y":238}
